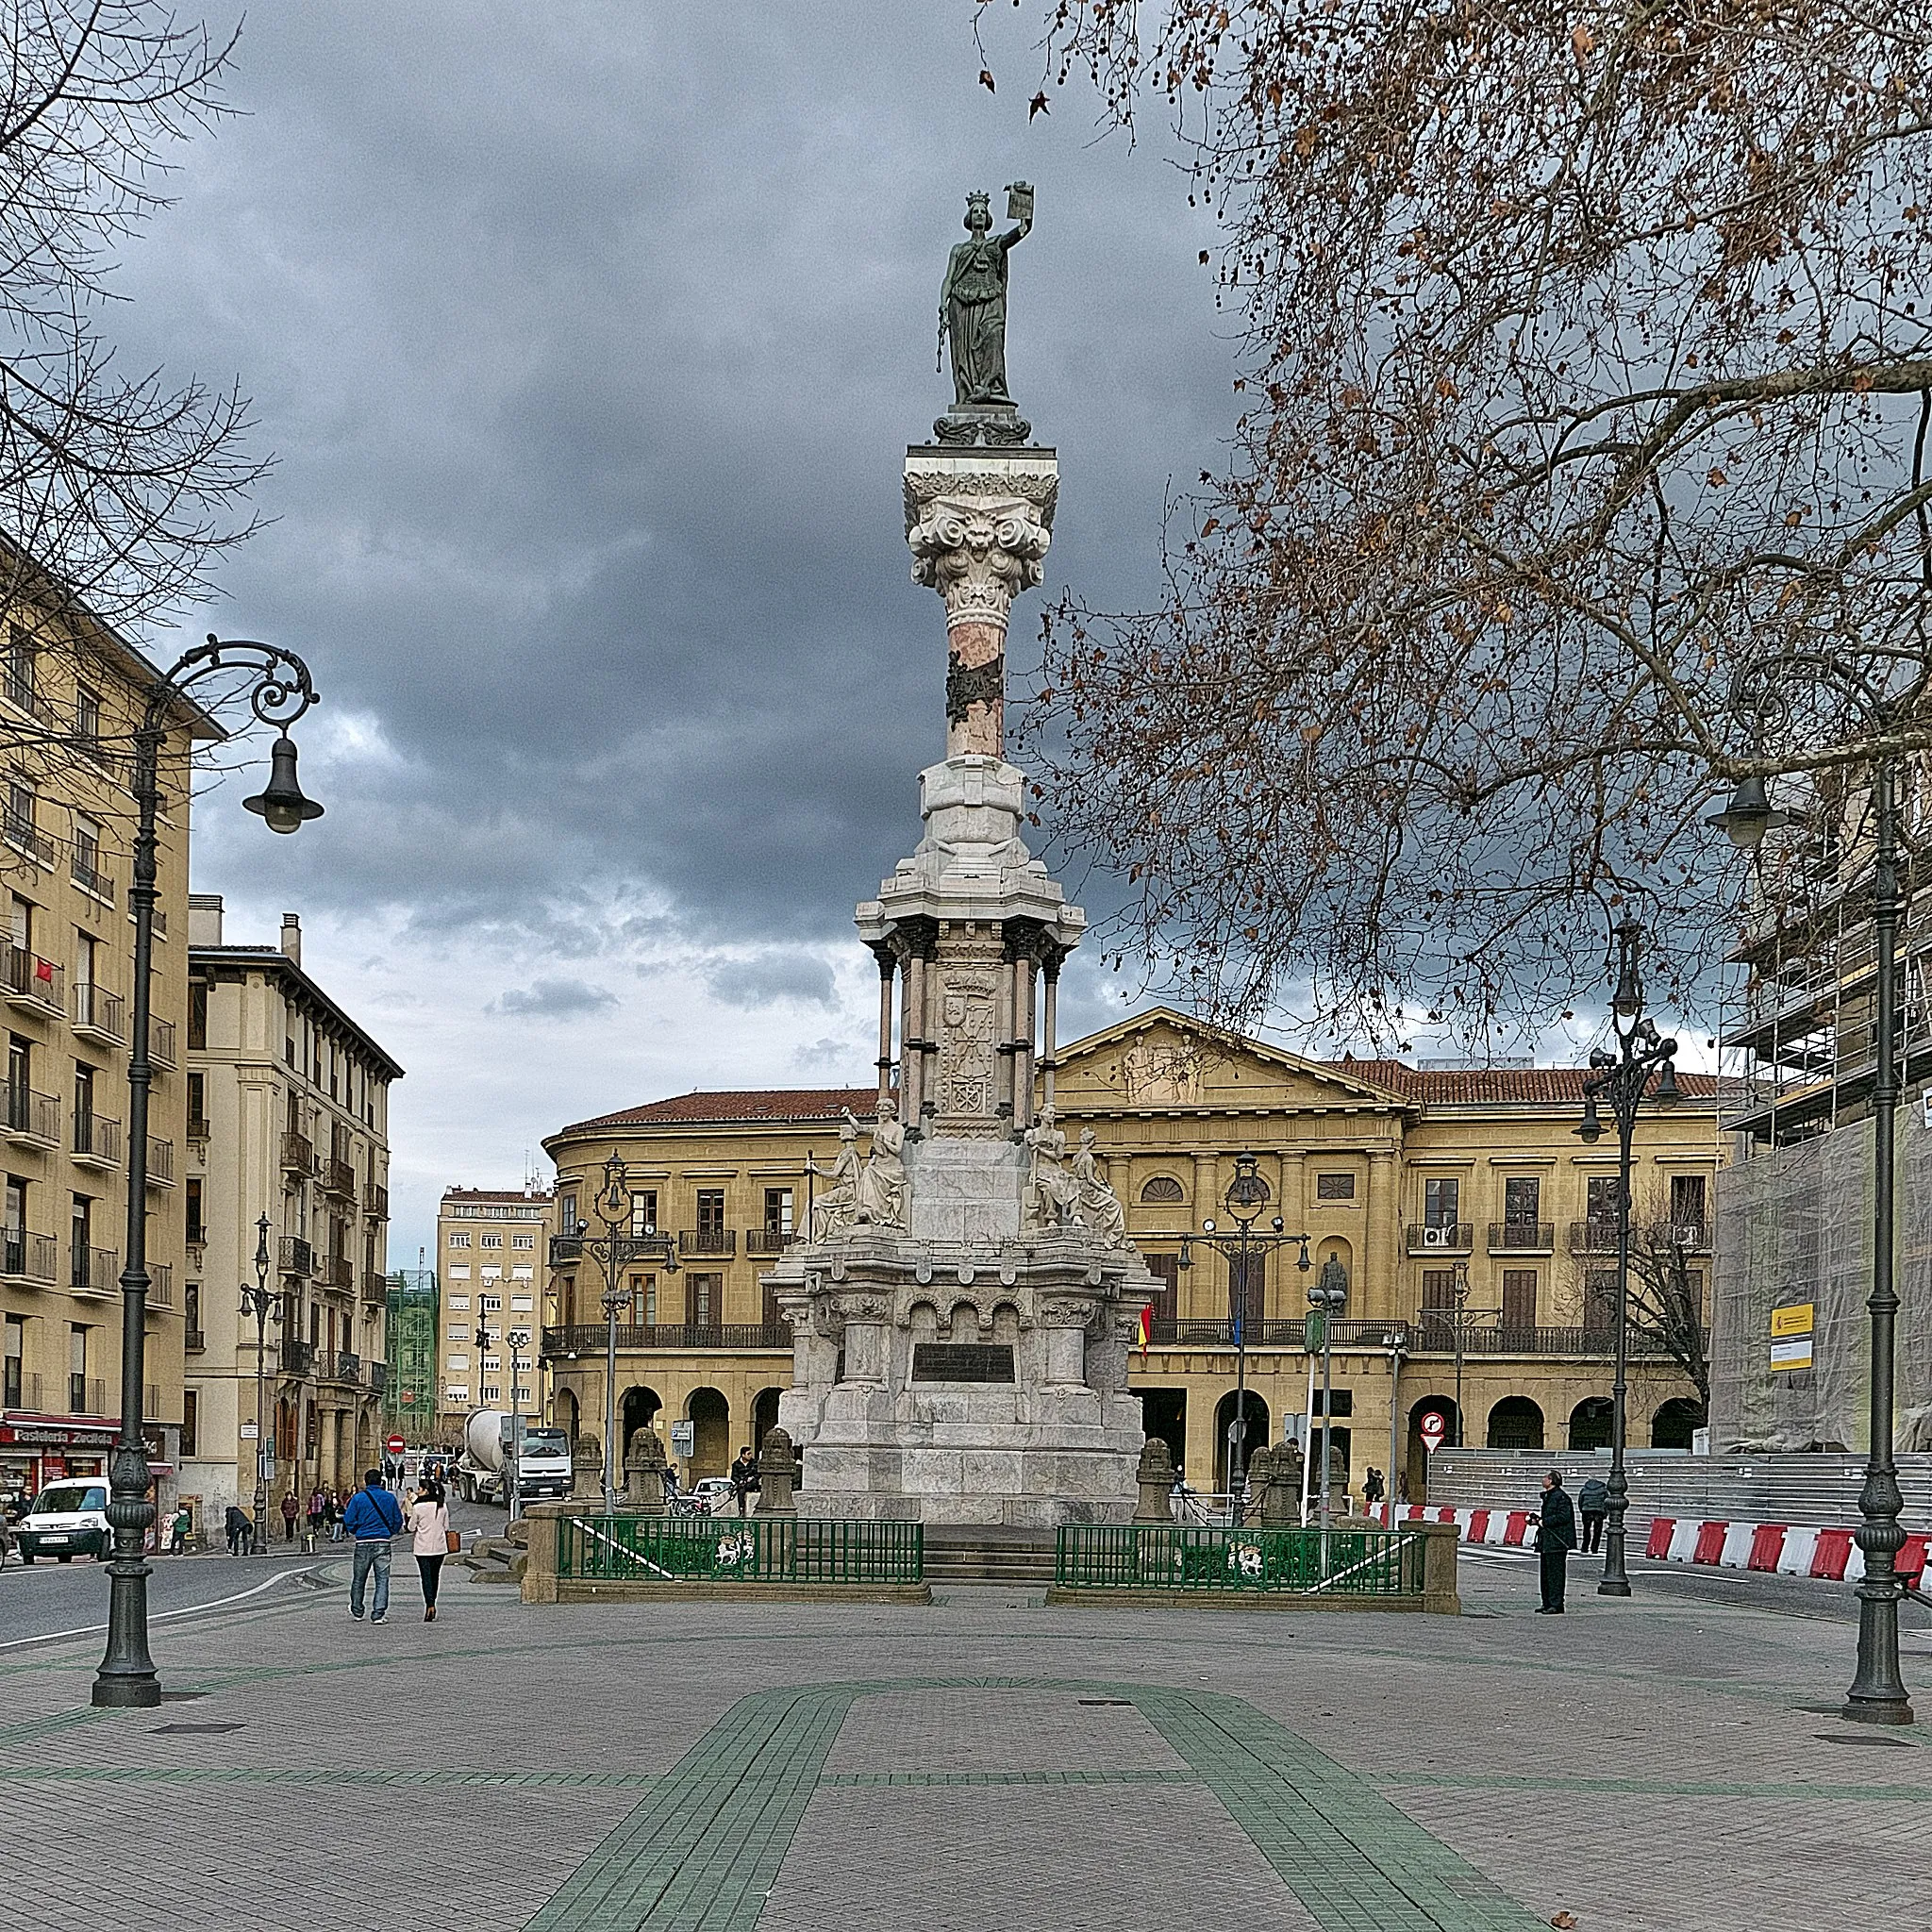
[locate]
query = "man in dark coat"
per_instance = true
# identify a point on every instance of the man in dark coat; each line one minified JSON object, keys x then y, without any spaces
{"x":1592,"y":1504}
{"x":1555,"y":1537}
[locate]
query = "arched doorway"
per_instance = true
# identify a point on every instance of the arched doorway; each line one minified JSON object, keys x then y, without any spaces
{"x":641,"y":1407}
{"x":1591,"y":1423}
{"x":1516,"y":1423}
{"x":1255,"y":1411}
{"x":563,"y":1412}
{"x":710,"y":1416}
{"x":764,"y":1416}
{"x":1670,"y":1427}
{"x":1415,"y":1457}
{"x":1164,"y":1413}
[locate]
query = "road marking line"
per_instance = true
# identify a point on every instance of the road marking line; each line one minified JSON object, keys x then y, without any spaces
{"x":159,"y":1616}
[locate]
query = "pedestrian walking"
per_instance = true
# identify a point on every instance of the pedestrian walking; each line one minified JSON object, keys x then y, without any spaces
{"x":178,"y":1530}
{"x":290,"y":1509}
{"x":1592,"y":1504}
{"x":430,"y":1542}
{"x":373,"y":1517}
{"x":332,"y":1516}
{"x":318,"y":1500}
{"x":745,"y":1479}
{"x":1555,"y":1537}
{"x":1372,"y":1490}
{"x":240,"y":1529}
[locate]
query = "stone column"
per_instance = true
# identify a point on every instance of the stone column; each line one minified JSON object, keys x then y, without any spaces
{"x":978,"y":522}
{"x":1065,"y":1323}
{"x":1207,"y":1202}
{"x":866,"y":1318}
{"x":1005,"y":1104}
{"x":885,"y":1061}
{"x":1023,"y":1041}
{"x":911,"y":1036}
{"x":1378,"y":1268}
{"x":1048,"y":1051}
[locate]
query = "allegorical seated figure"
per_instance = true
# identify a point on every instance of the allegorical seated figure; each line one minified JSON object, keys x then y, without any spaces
{"x":1096,"y":1207}
{"x":838,"y":1206}
{"x":882,"y":1180}
{"x":1051,"y":1191}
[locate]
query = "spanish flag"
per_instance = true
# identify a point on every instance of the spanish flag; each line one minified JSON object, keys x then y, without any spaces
{"x":1146,"y":1329}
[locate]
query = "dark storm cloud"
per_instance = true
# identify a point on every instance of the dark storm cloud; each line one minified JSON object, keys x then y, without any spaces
{"x":589,"y":337}
{"x":553,"y":999}
{"x":774,"y":977}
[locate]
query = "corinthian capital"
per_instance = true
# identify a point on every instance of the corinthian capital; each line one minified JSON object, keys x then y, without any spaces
{"x":978,"y":552}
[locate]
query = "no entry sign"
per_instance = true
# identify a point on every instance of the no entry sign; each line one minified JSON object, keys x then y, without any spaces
{"x":1434,"y":1427}
{"x":396,"y":1445}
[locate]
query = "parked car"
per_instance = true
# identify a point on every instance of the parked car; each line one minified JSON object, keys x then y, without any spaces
{"x":713,"y":1495}
{"x":67,"y":1520}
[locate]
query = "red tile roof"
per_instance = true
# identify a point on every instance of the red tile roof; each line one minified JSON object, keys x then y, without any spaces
{"x":746,"y":1107}
{"x":1478,"y":1086}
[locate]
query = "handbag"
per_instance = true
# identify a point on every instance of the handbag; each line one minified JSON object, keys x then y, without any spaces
{"x":452,"y":1541}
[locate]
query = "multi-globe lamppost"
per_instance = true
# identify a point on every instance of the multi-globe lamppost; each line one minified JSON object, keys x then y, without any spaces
{"x":1622,"y":1081}
{"x":263,"y":1304}
{"x":1247,"y":1195}
{"x":279,"y":691}
{"x":1877,"y":1692}
{"x":616,"y":1252}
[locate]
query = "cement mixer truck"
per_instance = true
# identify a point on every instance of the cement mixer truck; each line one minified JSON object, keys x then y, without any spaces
{"x":542,"y":1458}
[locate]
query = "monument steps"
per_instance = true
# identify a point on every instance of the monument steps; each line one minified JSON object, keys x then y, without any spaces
{"x":990,"y":1553}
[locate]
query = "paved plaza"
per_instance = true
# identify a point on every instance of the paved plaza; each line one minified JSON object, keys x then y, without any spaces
{"x":984,"y":1765}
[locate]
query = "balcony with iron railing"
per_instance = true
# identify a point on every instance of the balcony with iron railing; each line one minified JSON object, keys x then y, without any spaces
{"x":337,"y":1178}
{"x":90,"y":877}
{"x":298,"y":1155}
{"x":161,"y":1163}
{"x":297,"y":1357}
{"x":298,"y":1257}
{"x":374,"y":1288}
{"x":1443,"y":1238}
{"x":587,"y":1338}
{"x":197,"y":1126}
{"x":160,"y":1284}
{"x":708,"y":1241}
{"x":29,"y":981}
{"x":26,"y":837}
{"x":1522,"y":1237}
{"x":1434,"y":1333}
{"x":344,"y":1365}
{"x":335,"y":1271}
{"x":375,"y":1201}
{"x":1595,"y":1235}
{"x":566,"y":1250}
{"x":28,"y":1257}
{"x":96,"y":1141}
{"x":193,"y":1341}
{"x":99,"y":1015}
{"x":20,"y":1388}
{"x":769,"y":1240}
{"x":86,"y":1395}
{"x":378,"y":1378}
{"x":160,"y":1040}
{"x":93,"y":1270}
{"x":32,"y":1119}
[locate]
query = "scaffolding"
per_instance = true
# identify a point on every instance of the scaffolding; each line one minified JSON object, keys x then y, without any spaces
{"x":410,"y":1331}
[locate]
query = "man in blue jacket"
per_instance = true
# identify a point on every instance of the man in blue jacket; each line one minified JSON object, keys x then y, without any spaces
{"x":372,"y":1518}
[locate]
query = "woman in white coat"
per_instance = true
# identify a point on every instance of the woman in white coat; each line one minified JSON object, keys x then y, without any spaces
{"x":429,"y":1541}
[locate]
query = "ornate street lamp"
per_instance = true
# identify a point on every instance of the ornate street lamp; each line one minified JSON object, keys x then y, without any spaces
{"x":616,"y":1252}
{"x":1622,"y":1080}
{"x":1328,"y":1297}
{"x":257,"y":1300}
{"x":279,"y":692}
{"x":1877,"y":1692}
{"x":1247,"y":1195}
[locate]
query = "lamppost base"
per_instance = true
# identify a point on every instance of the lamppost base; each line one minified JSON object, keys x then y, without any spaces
{"x":1878,"y":1711}
{"x":1614,"y":1586}
{"x":132,"y":1692}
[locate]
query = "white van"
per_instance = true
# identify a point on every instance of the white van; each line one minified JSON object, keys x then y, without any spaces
{"x":68,"y":1519}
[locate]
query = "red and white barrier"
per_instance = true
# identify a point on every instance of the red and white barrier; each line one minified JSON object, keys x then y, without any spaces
{"x":1784,"y":1549}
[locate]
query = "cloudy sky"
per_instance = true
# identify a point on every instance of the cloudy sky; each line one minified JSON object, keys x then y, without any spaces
{"x":589,"y":339}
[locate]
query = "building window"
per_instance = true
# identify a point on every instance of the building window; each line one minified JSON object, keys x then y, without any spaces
{"x":77,"y":1370}
{"x":522,"y":1304}
{"x":490,"y":1240}
{"x":1600,"y":1301}
{"x":524,"y":1241}
{"x":490,"y":1304}
{"x":1600,"y":1208}
{"x":81,"y":1235}
{"x":1519,"y":1298}
{"x":1442,"y":1202}
{"x":459,"y":1331}
{"x":458,"y":1361}
{"x":566,"y":1214}
{"x":1438,"y":1307}
{"x":459,"y":1240}
{"x":643,"y":1211}
{"x":197,"y":1014}
{"x":195,"y":1231}
{"x":1163,"y":1189}
{"x":88,"y":870}
{"x":778,"y":1210}
{"x":1522,"y":1200}
{"x":19,"y":824}
{"x":87,"y":717}
{"x":13,"y":1364}
{"x":1165,"y":1270}
{"x":704,"y":1299}
{"x":492,"y":1392}
{"x":1335,"y":1186}
{"x":459,"y":1271}
{"x":460,"y":1303}
{"x":191,"y":1423}
{"x":711,"y":1214}
{"x":643,"y":1300}
{"x":1688,"y":1202}
{"x":197,"y":1106}
{"x":21,"y":675}
{"x":191,"y":1307}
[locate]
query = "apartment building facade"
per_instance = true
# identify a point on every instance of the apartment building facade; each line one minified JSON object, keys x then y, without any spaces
{"x":1468,"y":1220}
{"x":71,"y":694}
{"x":288,"y":1103}
{"x":489,"y":1247}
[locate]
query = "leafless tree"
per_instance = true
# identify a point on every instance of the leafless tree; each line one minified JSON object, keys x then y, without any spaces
{"x":1586,"y":354}
{"x":1667,"y":1302}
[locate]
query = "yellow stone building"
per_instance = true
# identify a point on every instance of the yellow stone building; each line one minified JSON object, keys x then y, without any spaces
{"x":1459,"y":1203}
{"x":70,"y":696}
{"x":490,"y":1244}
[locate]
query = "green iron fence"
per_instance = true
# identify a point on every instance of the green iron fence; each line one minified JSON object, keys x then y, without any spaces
{"x":1191,"y":1558}
{"x":760,"y":1549}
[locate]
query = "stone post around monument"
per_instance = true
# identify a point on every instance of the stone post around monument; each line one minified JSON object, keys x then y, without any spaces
{"x":1154,"y":1475}
{"x":643,"y":1474}
{"x":777,"y":1467}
